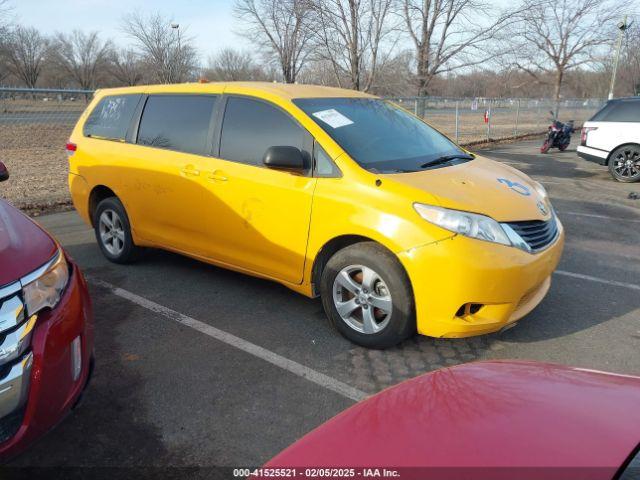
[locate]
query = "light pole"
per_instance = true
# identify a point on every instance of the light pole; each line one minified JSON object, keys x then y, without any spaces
{"x":622,"y":26}
{"x":174,"y":67}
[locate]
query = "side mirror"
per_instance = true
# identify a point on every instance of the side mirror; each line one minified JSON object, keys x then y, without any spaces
{"x":4,"y":173}
{"x":284,"y":158}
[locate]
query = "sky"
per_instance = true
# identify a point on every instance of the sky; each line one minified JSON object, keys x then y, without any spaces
{"x":210,"y":22}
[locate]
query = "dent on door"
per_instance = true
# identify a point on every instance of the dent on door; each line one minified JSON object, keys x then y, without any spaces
{"x":258,"y":219}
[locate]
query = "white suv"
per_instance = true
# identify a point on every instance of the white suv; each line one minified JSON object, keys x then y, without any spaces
{"x":612,"y":137}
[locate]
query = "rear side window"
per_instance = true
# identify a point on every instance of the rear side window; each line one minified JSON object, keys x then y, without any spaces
{"x":178,"y":122}
{"x":600,"y":114}
{"x":111,"y":117}
{"x":250,"y":127}
{"x":619,"y":111}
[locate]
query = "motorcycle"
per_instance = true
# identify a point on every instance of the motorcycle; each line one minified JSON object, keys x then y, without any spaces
{"x":558,"y":135}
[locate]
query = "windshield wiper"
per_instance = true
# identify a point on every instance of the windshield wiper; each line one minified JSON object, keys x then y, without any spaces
{"x":447,"y":159}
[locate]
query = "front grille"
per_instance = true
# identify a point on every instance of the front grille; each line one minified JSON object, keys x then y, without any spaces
{"x":538,"y":234}
{"x":16,"y":330}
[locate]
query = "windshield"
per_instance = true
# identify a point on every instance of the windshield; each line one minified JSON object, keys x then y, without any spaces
{"x":380,"y":136}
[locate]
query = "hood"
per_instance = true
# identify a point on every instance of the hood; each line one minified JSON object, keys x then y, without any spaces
{"x":24,"y":246}
{"x":486,"y":414}
{"x":481,"y":186}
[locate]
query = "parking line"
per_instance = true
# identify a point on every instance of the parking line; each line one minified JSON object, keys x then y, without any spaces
{"x":296,"y":368}
{"x":593,"y":215}
{"x":582,"y":276}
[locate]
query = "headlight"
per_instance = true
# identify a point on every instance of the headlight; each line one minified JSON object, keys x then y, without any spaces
{"x":46,"y":290}
{"x":467,"y":224}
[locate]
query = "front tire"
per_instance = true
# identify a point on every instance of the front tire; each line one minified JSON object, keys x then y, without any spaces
{"x":367,"y":296}
{"x":545,"y":146}
{"x":113,"y":231}
{"x":624,"y":164}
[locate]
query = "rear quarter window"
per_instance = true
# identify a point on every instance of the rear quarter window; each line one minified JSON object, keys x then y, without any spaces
{"x":111,"y":117}
{"x":627,"y":110}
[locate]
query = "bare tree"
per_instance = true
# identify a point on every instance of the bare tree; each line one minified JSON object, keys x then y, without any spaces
{"x":630,"y":63}
{"x":281,"y":30}
{"x":231,"y":65}
{"x":395,"y":76}
{"x":349,"y":34}
{"x":25,"y":51}
{"x":169,"y":53}
{"x":5,"y":11}
{"x":126,"y":67}
{"x":556,"y":36}
{"x":5,"y":20}
{"x":320,"y":72}
{"x":449,"y":35}
{"x":4,"y":70}
{"x":83,"y":56}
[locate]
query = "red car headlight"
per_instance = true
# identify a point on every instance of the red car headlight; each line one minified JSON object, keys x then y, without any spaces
{"x":45,"y":290}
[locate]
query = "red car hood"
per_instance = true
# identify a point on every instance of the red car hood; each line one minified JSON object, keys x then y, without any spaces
{"x":24,"y":246}
{"x":485,"y":414}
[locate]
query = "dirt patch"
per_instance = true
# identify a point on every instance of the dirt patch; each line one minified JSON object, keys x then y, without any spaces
{"x":38,"y":167}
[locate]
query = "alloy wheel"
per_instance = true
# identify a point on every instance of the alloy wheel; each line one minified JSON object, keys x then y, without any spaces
{"x":362,"y":299}
{"x":111,"y":232}
{"x":626,"y":163}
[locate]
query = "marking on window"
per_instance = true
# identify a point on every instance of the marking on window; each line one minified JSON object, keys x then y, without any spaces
{"x":333,"y":118}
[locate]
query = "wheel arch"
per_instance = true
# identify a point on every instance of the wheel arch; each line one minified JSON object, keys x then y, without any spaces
{"x":331,"y":247}
{"x":617,"y":147}
{"x":98,"y":193}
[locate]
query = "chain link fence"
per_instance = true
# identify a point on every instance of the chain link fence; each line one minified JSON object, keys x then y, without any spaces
{"x":35,"y":125}
{"x":475,"y":120}
{"x":467,"y":120}
{"x":25,"y":106}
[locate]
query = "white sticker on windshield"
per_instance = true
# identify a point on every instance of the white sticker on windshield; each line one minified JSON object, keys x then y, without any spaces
{"x":333,"y":118}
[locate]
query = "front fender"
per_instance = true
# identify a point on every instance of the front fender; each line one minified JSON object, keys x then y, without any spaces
{"x":382,"y":213}
{"x":378,"y":213}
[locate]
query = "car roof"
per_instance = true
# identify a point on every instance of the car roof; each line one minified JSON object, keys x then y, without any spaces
{"x":281,"y":90}
{"x":484,"y":414}
{"x":625,"y":99}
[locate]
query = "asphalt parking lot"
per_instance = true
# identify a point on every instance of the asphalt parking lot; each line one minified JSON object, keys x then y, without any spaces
{"x":199,"y":366}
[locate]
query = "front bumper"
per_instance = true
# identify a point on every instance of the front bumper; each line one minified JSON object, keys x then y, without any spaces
{"x":503,"y":283}
{"x":37,"y":387}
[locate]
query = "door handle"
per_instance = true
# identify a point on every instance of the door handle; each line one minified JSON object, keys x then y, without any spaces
{"x":190,"y":170}
{"x":217,"y":176}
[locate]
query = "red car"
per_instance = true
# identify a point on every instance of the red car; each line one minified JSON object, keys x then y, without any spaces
{"x":484,"y":420}
{"x":46,"y":331}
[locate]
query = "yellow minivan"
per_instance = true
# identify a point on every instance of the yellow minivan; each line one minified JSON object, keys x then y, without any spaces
{"x":333,"y":193}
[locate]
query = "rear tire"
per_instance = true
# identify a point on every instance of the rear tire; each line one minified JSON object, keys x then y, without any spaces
{"x":624,"y":164}
{"x":371,"y":288}
{"x":113,"y":232}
